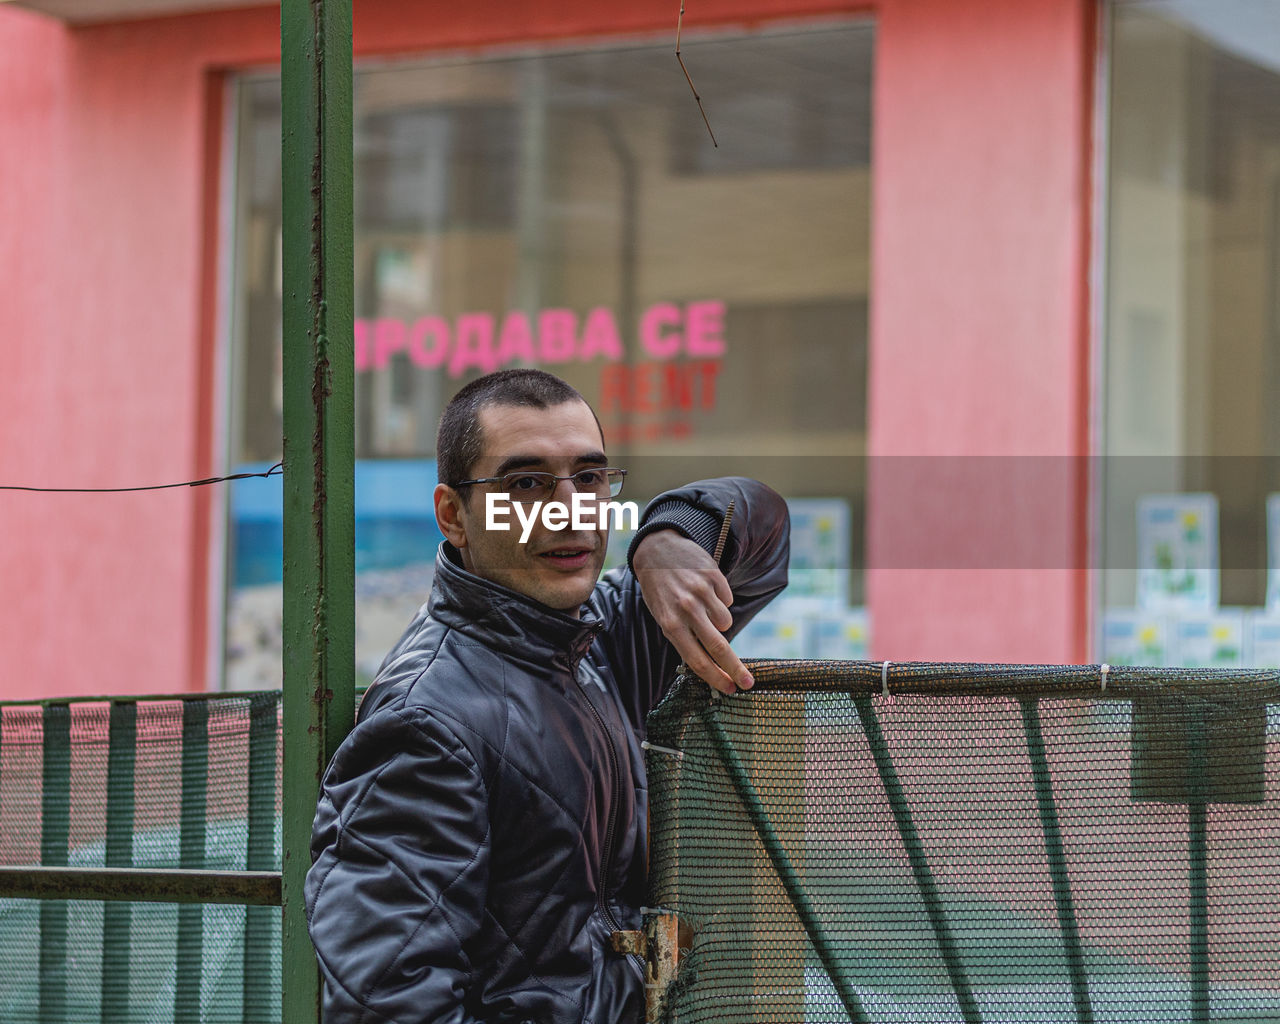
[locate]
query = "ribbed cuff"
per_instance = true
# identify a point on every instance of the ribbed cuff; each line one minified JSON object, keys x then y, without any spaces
{"x":699,"y":525}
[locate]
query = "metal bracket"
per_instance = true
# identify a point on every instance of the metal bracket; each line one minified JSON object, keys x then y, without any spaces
{"x":662,"y":941}
{"x":659,"y":946}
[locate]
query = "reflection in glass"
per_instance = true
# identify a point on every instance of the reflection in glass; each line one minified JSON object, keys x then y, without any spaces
{"x":1192,"y":323}
{"x":568,"y":211}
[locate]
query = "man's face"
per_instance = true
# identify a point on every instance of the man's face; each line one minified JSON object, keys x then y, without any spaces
{"x":559,"y":568}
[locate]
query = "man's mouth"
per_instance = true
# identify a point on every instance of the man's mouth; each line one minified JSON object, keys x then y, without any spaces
{"x":567,"y":557}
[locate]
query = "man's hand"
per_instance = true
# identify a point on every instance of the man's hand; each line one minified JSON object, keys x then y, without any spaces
{"x":689,"y":597}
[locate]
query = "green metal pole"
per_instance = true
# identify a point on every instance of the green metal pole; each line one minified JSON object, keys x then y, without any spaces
{"x":140,"y":885}
{"x":261,"y":924}
{"x":1056,"y":852}
{"x":1198,"y":864}
{"x":122,"y":752}
{"x":787,"y":874}
{"x":192,"y":836}
{"x":55,"y":841}
{"x":319,"y":369}
{"x":925,"y":882}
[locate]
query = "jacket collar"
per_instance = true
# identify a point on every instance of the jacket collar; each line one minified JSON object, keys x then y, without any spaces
{"x":504,"y":620}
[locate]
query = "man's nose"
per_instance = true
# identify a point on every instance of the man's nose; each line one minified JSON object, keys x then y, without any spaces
{"x":569,"y":487}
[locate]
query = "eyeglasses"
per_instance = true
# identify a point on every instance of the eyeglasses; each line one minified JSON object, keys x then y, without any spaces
{"x":531,"y":485}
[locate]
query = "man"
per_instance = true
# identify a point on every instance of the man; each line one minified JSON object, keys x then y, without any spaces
{"x":481,"y":831}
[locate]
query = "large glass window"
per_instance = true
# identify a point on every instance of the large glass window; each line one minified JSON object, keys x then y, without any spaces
{"x":569,"y":211}
{"x":1192,"y":336}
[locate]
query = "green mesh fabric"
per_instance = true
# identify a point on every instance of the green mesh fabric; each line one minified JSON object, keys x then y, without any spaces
{"x":989,"y":843}
{"x":148,"y":783}
{"x":995,"y":843}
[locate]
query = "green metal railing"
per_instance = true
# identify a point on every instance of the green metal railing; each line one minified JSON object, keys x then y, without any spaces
{"x":138,"y":885}
{"x":101,"y":796}
{"x":1193,"y":738}
{"x":113,"y":772}
{"x":924,"y":877}
{"x":1055,"y":854}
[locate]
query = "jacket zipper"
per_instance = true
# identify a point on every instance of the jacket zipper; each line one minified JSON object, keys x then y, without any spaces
{"x":610,"y":829}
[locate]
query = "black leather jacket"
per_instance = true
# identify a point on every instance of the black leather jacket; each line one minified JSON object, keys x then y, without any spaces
{"x":482,"y":830}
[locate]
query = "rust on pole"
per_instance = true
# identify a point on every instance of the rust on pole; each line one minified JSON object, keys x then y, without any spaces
{"x":319,"y":370}
{"x":662,"y":959}
{"x":659,"y":946}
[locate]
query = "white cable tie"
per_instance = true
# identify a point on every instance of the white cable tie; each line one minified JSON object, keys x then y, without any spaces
{"x":677,"y":754}
{"x":1103,"y":670}
{"x":884,"y":681}
{"x":682,"y":668}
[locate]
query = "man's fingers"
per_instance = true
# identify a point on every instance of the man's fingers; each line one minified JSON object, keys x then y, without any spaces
{"x":709,"y":594}
{"x":717,"y":647}
{"x":707,"y":653}
{"x":701,"y":665}
{"x":719,"y":616}
{"x":690,"y":597}
{"x":722,"y":588}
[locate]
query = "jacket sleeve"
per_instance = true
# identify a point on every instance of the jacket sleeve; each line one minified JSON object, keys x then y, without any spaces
{"x":400,"y":851}
{"x":754,"y":562}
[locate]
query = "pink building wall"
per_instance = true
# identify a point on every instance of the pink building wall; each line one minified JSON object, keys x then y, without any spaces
{"x":979,"y":330}
{"x":107,"y":326}
{"x":109,"y":198}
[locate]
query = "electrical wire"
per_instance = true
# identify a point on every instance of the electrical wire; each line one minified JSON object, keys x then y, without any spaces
{"x":275,"y":470}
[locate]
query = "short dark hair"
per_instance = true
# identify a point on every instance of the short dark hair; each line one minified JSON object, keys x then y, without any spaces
{"x":459,"y":440}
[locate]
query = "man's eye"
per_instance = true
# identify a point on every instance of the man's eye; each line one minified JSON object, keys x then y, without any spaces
{"x":524,"y":484}
{"x":590,"y":478}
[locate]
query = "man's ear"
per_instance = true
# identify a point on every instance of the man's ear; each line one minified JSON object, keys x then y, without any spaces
{"x":449,"y":509}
